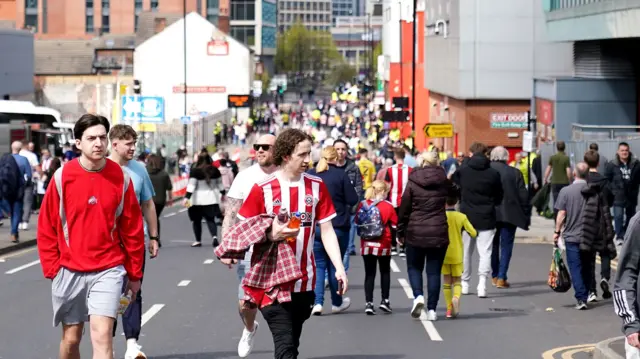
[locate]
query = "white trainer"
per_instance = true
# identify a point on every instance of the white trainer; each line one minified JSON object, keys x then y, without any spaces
{"x":465,"y":287}
{"x":246,"y":342}
{"x":134,"y":352}
{"x":418,"y":305}
{"x":432,"y":316}
{"x":346,"y":303}
{"x":317,"y":310}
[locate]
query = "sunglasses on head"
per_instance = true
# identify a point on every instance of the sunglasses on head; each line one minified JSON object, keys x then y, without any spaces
{"x":257,"y":147}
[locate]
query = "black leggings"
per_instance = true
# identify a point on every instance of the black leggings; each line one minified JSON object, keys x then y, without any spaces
{"x":370,"y":262}
{"x":209,"y":213}
{"x":159,"y":208}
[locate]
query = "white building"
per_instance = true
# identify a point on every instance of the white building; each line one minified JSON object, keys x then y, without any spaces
{"x":217,"y":66}
{"x":16,"y":63}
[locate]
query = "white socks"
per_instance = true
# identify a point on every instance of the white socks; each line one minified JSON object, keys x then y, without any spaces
{"x":132,"y":344}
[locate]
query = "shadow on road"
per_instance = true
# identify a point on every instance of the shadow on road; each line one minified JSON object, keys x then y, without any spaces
{"x":520,"y":293}
{"x":363,"y":356}
{"x":208,"y":355}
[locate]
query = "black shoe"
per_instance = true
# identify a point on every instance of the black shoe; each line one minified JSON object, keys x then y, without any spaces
{"x":581,"y":305}
{"x":606,"y":292}
{"x":369,"y":309}
{"x":385,"y":306}
{"x":215,"y":241}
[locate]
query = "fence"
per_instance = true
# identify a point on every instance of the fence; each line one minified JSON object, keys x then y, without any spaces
{"x":576,"y":149}
{"x":202,"y":130}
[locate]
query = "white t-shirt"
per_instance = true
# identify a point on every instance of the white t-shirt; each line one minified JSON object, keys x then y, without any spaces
{"x":242,"y":185}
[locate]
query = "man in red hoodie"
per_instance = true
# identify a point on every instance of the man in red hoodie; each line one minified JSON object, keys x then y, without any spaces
{"x":90,"y":235}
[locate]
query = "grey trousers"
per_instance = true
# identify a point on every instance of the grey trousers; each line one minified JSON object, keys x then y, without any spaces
{"x":27,"y":203}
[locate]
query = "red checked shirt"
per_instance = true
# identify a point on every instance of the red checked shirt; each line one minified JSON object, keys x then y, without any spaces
{"x":381,"y":247}
{"x":309,"y":196}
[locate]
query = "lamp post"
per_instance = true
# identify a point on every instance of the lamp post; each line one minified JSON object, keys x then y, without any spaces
{"x":184,"y":53}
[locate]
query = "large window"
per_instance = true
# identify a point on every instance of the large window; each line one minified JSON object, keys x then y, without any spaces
{"x":31,"y":14}
{"x":88,"y":17}
{"x":243,"y":10}
{"x":137,"y":11}
{"x":154,"y":5}
{"x":105,"y":16}
{"x":213,"y":11}
{"x":244,"y":34}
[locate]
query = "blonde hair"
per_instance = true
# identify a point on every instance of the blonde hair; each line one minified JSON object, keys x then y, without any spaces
{"x":378,"y":189}
{"x":428,"y":158}
{"x":329,"y":154}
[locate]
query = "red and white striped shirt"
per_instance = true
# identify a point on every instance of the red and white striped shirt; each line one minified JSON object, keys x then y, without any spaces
{"x":397,"y":176}
{"x":309,"y":196}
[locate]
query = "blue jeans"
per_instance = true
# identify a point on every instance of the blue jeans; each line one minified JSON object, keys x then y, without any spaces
{"x":14,"y":210}
{"x":416,"y":258}
{"x":620,"y":223}
{"x":579,"y":265}
{"x":502,"y":249}
{"x":324,"y":267}
{"x":352,"y":243}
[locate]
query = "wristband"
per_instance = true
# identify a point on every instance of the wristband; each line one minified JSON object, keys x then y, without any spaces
{"x":556,"y":232}
{"x":156,"y":238}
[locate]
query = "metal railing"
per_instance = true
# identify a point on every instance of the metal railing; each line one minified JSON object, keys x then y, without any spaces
{"x":581,"y":132}
{"x":202,"y":130}
{"x":568,"y":4}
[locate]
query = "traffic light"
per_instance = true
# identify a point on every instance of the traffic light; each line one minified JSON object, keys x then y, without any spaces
{"x":137,"y":87}
{"x":280,"y":89}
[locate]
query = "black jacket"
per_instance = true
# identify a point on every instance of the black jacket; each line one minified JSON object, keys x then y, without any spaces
{"x":342,"y":192}
{"x":603,"y":186}
{"x":481,"y":191}
{"x":624,"y":192}
{"x":596,"y":222}
{"x":422,"y":219}
{"x":514,"y":208}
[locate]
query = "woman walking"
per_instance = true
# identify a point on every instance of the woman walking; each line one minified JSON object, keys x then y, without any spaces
{"x":422,"y":226}
{"x":161,"y":185}
{"x":203,"y":198}
{"x":377,"y":250}
{"x":344,"y":197}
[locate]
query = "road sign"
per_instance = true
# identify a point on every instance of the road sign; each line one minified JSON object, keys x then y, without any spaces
{"x":528,"y":143}
{"x":438,"y":130}
{"x":235,"y":101}
{"x":142,"y":109}
{"x":256,"y":89}
{"x":186,"y":120}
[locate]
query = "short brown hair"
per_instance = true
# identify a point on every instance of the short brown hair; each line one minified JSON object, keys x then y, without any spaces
{"x":399,"y":153}
{"x":592,"y":158}
{"x":286,"y":143}
{"x":479,"y":148}
{"x":122,"y":132}
{"x":561,"y":145}
{"x":154,"y":163}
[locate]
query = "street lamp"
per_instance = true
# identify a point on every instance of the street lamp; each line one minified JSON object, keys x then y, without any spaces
{"x":184,"y":53}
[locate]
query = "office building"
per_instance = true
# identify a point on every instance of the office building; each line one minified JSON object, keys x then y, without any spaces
{"x":314,"y":14}
{"x":603,"y":89}
{"x":254,"y":22}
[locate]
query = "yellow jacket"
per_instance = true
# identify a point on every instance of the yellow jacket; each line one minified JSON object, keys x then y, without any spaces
{"x":368,"y":171}
{"x":457,"y":222}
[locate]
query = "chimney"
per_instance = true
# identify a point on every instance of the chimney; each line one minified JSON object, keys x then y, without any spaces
{"x":159,"y":24}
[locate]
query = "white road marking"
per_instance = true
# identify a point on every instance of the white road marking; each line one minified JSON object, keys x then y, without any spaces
{"x":184,"y":283}
{"x":18,"y":269}
{"x":208,"y":261}
{"x":2,"y":260}
{"x":407,"y":288}
{"x":430,"y":328}
{"x":183,"y":210}
{"x":169,"y":214}
{"x":394,"y":266}
{"x":150,"y":313}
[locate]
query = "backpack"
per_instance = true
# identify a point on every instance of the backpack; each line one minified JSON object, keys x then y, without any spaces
{"x":11,"y":180}
{"x":369,"y":221}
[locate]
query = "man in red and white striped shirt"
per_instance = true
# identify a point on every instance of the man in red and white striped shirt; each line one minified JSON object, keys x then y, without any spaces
{"x":397,"y":176}
{"x":296,"y":191}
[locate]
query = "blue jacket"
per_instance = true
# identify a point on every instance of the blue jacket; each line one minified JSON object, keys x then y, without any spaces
{"x":342,"y":193}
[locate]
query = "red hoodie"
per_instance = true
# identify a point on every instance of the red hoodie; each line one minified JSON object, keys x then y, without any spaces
{"x":97,"y":239}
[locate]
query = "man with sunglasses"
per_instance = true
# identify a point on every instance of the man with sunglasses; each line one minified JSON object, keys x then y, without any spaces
{"x":238,"y":192}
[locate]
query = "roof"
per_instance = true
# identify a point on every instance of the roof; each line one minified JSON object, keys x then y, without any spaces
{"x":63,"y":57}
{"x":147,"y":24}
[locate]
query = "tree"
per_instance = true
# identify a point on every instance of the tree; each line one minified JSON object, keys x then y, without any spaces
{"x":341,"y":73}
{"x":300,"y":49}
{"x":266,"y":79}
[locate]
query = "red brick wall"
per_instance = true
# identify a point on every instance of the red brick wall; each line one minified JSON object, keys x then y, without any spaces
{"x":8,"y":10}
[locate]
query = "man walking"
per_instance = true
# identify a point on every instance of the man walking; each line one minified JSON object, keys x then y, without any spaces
{"x":296,"y":191}
{"x":123,"y":145}
{"x":558,"y":172}
{"x":90,"y":237}
{"x":353,"y":172}
{"x":397,"y":176}
{"x":12,"y":181}
{"x":623,"y":176}
{"x":237,"y":195}
{"x":26,"y":151}
{"x":481,"y":192}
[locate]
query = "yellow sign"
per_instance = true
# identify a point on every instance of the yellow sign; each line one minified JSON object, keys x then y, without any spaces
{"x":438,"y":130}
{"x":144,"y":127}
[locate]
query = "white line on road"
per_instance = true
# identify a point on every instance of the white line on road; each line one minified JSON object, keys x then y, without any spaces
{"x":430,"y":328}
{"x":2,"y":260}
{"x":407,"y":288}
{"x":208,"y":261}
{"x":183,"y":210}
{"x":394,"y":266}
{"x":18,"y":269}
{"x":184,"y":283}
{"x":169,"y":214}
{"x":150,"y":313}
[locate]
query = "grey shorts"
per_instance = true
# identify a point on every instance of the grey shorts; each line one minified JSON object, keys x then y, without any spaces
{"x":76,"y":296}
{"x":243,"y":267}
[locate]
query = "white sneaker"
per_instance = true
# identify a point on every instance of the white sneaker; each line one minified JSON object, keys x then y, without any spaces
{"x":418,"y":305}
{"x":432,"y":316}
{"x":246,"y":342}
{"x":346,"y":303}
{"x":482,"y":292}
{"x":465,"y":287}
{"x":482,"y":287}
{"x":134,"y":352}
{"x":317,"y":309}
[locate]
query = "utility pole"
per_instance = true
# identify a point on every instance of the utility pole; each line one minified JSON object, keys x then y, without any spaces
{"x":184,"y":49}
{"x":413,"y":75}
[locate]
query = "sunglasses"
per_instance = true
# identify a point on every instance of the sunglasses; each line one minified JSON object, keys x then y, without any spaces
{"x":257,"y":147}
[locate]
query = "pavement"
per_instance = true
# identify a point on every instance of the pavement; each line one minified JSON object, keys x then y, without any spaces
{"x":190,"y":312}
{"x":27,"y":238}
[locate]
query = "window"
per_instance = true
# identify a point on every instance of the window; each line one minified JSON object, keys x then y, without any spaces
{"x":243,"y":10}
{"x":105,"y":24}
{"x":137,"y":11}
{"x":88,"y":17}
{"x":31,"y":14}
{"x":154,"y":5}
{"x":105,"y":16}
{"x":213,"y":11}
{"x":244,"y":34}
{"x":45,"y":15}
